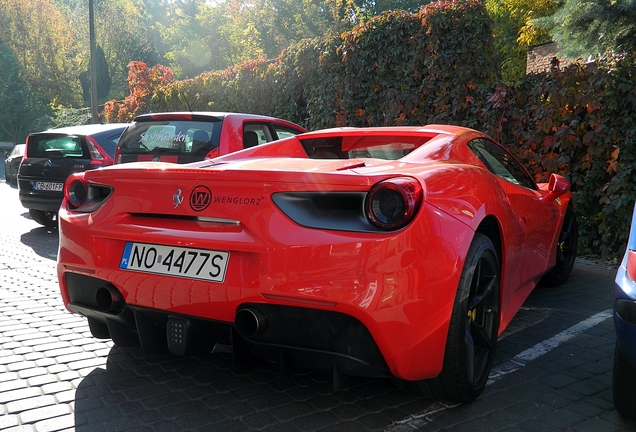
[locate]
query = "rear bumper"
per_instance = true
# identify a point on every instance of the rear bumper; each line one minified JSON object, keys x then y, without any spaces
{"x":38,"y":203}
{"x":45,"y":201}
{"x":295,"y":336}
{"x":387,"y":299}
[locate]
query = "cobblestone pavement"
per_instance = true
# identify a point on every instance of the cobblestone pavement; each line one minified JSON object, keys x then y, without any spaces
{"x":552,"y":371}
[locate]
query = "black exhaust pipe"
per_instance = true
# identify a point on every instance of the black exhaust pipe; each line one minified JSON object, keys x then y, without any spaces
{"x":250,"y":322}
{"x":109,"y":299}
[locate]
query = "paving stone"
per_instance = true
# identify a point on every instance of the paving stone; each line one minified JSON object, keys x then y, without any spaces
{"x":23,"y":428}
{"x":10,"y":360}
{"x":8,"y":421}
{"x":68,"y":375}
{"x":57,"y":368}
{"x":14,"y":384}
{"x":39,"y":414}
{"x":57,"y":423}
{"x":58,"y":377}
{"x":22,"y":393}
{"x":8,"y":376}
{"x":68,"y":396}
{"x":30,"y":403}
{"x":33,"y":372}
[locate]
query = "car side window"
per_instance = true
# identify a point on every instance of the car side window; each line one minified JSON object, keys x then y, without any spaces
{"x":501,"y":163}
{"x":285,"y":132}
{"x":255,"y":134}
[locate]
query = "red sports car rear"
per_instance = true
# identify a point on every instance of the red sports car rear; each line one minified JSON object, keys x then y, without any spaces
{"x":398,"y":252}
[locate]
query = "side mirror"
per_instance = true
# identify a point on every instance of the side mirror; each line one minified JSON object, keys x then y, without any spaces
{"x":557,"y":186}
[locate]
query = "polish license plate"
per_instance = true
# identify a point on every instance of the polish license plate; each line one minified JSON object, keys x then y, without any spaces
{"x":48,"y":186}
{"x":188,"y":263}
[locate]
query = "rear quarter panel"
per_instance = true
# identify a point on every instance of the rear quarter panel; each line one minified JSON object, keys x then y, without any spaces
{"x":470,"y":194}
{"x":232,"y":131}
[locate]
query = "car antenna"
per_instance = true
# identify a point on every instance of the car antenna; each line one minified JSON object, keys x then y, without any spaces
{"x":185,"y":99}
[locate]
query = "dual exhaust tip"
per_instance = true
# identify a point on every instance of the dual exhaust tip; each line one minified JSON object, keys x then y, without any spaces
{"x":249,"y":322}
{"x":109,"y":299}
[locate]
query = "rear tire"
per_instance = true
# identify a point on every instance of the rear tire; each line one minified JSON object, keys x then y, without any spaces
{"x":624,"y":385}
{"x":566,"y":251}
{"x":473,"y":331}
{"x":46,"y":218}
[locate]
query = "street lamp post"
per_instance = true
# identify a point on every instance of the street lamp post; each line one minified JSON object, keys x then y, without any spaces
{"x":93,"y":65}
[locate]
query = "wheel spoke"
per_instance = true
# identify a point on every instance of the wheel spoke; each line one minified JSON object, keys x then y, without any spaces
{"x":480,"y":336}
{"x":483,"y":291}
{"x":470,"y":350}
{"x":567,"y":240}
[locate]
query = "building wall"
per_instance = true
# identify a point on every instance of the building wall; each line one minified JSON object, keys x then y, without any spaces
{"x":541,"y":58}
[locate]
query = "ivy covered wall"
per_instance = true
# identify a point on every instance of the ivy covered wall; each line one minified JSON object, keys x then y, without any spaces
{"x":438,"y":66}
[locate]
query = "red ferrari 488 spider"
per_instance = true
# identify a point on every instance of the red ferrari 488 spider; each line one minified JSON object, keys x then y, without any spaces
{"x":397,"y":252}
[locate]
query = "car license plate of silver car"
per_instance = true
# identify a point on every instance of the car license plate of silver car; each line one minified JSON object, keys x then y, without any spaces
{"x":48,"y":186}
{"x":189,"y":263}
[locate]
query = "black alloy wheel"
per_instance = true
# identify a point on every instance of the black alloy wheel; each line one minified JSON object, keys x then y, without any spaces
{"x":566,"y":251}
{"x":473,"y":331}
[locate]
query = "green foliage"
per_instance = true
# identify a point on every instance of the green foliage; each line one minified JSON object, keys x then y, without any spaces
{"x":103,"y":78}
{"x":428,"y":61}
{"x":397,"y":68}
{"x":515,"y":31}
{"x":579,"y":122}
{"x":438,"y":66}
{"x":125,"y":34}
{"x":582,"y":27}
{"x":17,"y":105}
{"x":41,"y":40}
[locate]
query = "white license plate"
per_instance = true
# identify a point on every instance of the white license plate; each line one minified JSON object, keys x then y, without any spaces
{"x":189,"y":263}
{"x":48,"y":186}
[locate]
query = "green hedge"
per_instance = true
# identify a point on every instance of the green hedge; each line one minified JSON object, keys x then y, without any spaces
{"x":439,"y":66}
{"x":397,"y":68}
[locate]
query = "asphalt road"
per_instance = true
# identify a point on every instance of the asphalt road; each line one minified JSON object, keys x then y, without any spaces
{"x":552,"y":370}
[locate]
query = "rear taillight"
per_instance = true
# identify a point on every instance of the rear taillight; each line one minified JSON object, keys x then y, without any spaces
{"x":75,"y":191}
{"x":631,"y":265}
{"x":80,"y":196}
{"x":26,"y":149}
{"x":99,"y":157}
{"x":392,"y":203}
{"x":118,"y":157}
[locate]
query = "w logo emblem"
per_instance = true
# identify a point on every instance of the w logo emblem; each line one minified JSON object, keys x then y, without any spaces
{"x":200,"y":198}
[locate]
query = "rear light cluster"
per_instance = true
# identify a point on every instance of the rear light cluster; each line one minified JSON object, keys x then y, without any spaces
{"x":80,"y":196}
{"x":392,"y":203}
{"x":631,"y":265}
{"x":99,"y":157}
{"x":388,"y":206}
